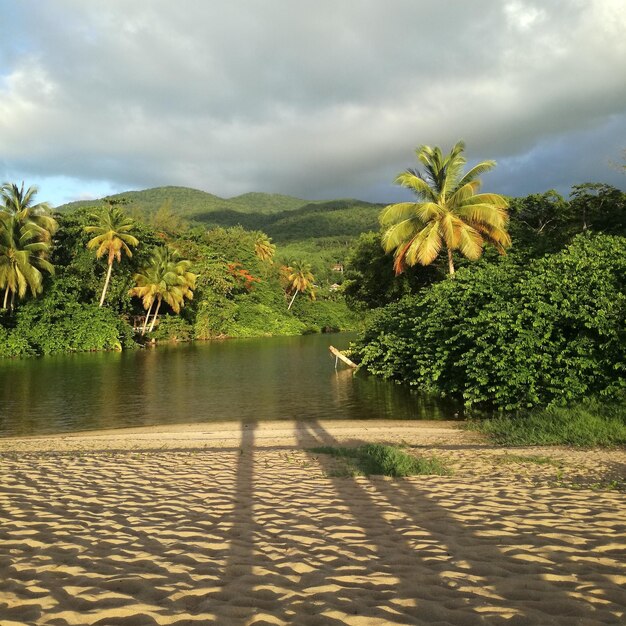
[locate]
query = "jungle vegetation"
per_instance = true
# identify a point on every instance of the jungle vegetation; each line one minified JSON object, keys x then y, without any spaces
{"x":503,"y":303}
{"x":94,"y":277}
{"x":540,"y":326}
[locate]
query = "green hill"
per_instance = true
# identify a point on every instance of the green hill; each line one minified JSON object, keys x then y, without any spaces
{"x":284,"y":218}
{"x":189,"y":202}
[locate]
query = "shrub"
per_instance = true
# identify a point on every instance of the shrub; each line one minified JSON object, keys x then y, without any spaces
{"x":512,"y":336}
{"x":323,"y":315}
{"x":173,"y":328}
{"x":76,"y":327}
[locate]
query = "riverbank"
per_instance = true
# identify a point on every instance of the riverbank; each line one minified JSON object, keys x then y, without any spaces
{"x":239,"y":524}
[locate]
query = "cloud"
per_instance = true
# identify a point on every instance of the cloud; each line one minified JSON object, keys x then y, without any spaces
{"x":314,"y":99}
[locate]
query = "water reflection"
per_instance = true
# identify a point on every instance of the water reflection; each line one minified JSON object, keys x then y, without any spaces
{"x":254,"y":379}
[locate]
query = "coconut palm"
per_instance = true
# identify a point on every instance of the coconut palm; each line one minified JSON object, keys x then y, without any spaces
{"x":448,"y":212}
{"x":112,"y":238}
{"x":263,"y":247}
{"x":22,"y":258}
{"x":20,"y":203}
{"x":166,"y":278}
{"x":300,"y":279}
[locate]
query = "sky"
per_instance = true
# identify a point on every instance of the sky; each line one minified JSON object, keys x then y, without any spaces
{"x":321,"y":100}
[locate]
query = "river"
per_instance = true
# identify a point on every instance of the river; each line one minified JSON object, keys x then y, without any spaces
{"x":238,"y":379}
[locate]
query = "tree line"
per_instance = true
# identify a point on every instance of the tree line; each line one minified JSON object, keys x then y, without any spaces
{"x":208,"y":283}
{"x":537,"y":321}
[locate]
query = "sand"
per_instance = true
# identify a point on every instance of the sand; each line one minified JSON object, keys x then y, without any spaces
{"x":240,"y":524}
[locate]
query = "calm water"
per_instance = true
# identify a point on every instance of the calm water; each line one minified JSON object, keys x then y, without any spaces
{"x":249,"y":379}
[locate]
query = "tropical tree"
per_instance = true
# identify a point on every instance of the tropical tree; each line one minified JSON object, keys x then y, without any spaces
{"x":300,"y":279}
{"x":263,"y":247}
{"x":448,"y":212}
{"x":22,"y":258}
{"x":18,"y":202}
{"x":112,"y":238}
{"x":166,"y":278}
{"x":26,"y":230}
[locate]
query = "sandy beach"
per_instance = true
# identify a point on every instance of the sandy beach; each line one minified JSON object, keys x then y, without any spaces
{"x":233,"y":523}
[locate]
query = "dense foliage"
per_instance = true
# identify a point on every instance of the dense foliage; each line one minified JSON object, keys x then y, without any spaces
{"x":512,"y":334}
{"x":170,"y":279}
{"x":370,"y":280}
{"x":543,"y":325}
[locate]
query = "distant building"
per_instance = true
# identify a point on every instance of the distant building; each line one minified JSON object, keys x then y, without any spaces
{"x":334,"y":287}
{"x":337,"y":267}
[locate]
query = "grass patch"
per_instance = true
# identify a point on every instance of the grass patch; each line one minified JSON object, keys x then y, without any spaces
{"x":377,"y":459}
{"x":526,"y":458}
{"x":589,"y":424}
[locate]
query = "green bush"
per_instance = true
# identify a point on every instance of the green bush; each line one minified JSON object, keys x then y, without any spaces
{"x":74,"y":327}
{"x":12,"y":344}
{"x":510,"y":335}
{"x":214,"y":316}
{"x":323,"y":315}
{"x":255,"y":319}
{"x":173,"y":328}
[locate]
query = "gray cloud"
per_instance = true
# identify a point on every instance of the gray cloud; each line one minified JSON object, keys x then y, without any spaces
{"x":314,"y":99}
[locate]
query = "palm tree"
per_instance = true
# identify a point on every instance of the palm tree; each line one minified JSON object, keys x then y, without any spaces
{"x":300,"y":279}
{"x":22,"y":258}
{"x":263,"y":247}
{"x":21,"y":203}
{"x":448,"y":212}
{"x":147,"y":282}
{"x":112,"y":238}
{"x":26,"y":230}
{"x":166,"y":278}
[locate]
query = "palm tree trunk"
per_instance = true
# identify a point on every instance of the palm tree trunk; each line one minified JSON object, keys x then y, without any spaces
{"x":12,"y":302}
{"x":155,"y":316}
{"x":106,"y":283}
{"x":6,"y":297}
{"x":450,"y":262}
{"x":145,"y":322}
{"x":292,"y":299}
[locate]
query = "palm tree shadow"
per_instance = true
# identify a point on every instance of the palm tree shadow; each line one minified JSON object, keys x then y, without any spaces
{"x":236,"y":599}
{"x":465,"y":564}
{"x":374,"y":557}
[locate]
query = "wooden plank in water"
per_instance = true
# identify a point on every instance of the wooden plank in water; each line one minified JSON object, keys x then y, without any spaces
{"x":341,"y":356}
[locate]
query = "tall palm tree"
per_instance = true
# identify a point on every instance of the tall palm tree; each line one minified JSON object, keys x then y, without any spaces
{"x":26,"y":230}
{"x":112,"y":238}
{"x":21,"y":203}
{"x":448,"y":212}
{"x":166,"y":278}
{"x":300,"y":279}
{"x":147,"y":282}
{"x":22,"y":258}
{"x":263,"y":247}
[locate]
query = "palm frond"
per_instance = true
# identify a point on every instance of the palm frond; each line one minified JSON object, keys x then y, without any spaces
{"x":399,"y":233}
{"x":470,"y":242}
{"x":484,"y":214}
{"x":412,"y":180}
{"x":476,"y":171}
{"x":425,"y":247}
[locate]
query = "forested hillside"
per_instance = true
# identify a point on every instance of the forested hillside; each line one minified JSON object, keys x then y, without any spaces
{"x":320,"y":233}
{"x":284,"y":218}
{"x":192,"y":202}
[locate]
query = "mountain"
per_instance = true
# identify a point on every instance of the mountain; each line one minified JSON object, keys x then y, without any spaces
{"x":188,"y":202}
{"x":284,"y":218}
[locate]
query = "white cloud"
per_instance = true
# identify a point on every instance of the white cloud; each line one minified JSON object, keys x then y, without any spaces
{"x":311,"y":99}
